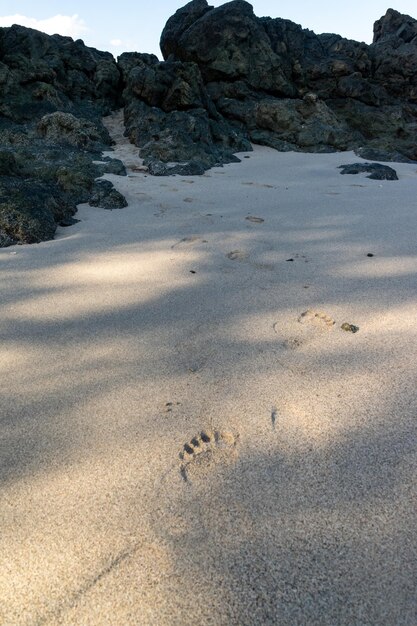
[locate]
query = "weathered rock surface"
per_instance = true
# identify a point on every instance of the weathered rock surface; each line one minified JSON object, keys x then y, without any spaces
{"x":294,"y":90}
{"x":104,"y":195}
{"x":170,"y":116}
{"x":40,"y":74}
{"x":376,"y":171}
{"x":53,"y":92}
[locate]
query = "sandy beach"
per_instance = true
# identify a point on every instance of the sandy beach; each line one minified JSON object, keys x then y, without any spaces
{"x":187,"y":434}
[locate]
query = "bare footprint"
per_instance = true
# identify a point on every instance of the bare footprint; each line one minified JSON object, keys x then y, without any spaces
{"x":186,"y":240}
{"x":206,"y":450}
{"x":237,"y":255}
{"x":255,"y":220}
{"x":293,"y":343}
{"x":318,"y":318}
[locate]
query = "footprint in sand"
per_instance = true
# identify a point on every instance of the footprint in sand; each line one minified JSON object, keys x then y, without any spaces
{"x":255,"y":220}
{"x":317,"y":318}
{"x":205,"y":450}
{"x":170,"y":406}
{"x":187,"y":240}
{"x":188,"y":200}
{"x":237,"y":255}
{"x":293,"y":343}
{"x":259,"y":185}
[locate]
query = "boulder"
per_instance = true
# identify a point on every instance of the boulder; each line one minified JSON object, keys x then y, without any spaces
{"x":104,"y":195}
{"x":26,"y":211}
{"x":376,"y":171}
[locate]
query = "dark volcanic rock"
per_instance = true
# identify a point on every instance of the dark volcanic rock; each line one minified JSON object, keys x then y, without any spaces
{"x":258,"y":72}
{"x":377,"y":171}
{"x":104,"y":195}
{"x":170,"y":116}
{"x":65,"y":128}
{"x":40,"y":74}
{"x":26,"y":211}
{"x":53,"y":93}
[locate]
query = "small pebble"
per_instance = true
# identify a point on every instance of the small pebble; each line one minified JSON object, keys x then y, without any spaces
{"x":370,"y":254}
{"x":290,"y":259}
{"x":351,"y":328}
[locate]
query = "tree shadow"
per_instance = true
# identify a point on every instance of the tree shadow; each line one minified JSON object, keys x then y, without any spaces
{"x":312,"y":524}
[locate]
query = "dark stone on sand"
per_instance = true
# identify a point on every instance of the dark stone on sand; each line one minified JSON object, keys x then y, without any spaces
{"x":105,"y":196}
{"x":350,"y":328}
{"x":26,"y":211}
{"x":376,"y":171}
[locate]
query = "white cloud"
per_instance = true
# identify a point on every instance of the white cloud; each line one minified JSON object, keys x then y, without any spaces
{"x":124,"y":45}
{"x":68,"y":25}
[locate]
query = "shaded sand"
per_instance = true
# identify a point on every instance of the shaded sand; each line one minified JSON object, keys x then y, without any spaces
{"x":186,"y":436}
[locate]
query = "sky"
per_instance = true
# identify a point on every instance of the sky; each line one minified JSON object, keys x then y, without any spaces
{"x":127,"y":25}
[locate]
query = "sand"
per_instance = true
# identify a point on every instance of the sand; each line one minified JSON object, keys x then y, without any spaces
{"x":179,"y":321}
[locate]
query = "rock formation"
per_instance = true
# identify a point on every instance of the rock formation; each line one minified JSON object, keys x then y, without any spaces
{"x":293,"y":90}
{"x":229,"y":78}
{"x":53,"y":93}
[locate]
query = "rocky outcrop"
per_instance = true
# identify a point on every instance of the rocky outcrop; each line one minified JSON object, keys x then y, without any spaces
{"x":53,"y":92}
{"x":40,"y":74}
{"x":170,"y":116}
{"x":294,"y":90}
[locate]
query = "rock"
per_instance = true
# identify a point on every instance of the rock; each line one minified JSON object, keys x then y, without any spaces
{"x":26,"y":212}
{"x":349,"y":328}
{"x":105,"y":196}
{"x":376,"y":170}
{"x":112,"y":166}
{"x":65,"y":128}
{"x":359,"y":95}
{"x":394,"y":25}
{"x":170,"y":116}
{"x":179,"y":23}
{"x":8,"y":163}
{"x":40,"y":74}
{"x":53,"y":92}
{"x":225,"y":42}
